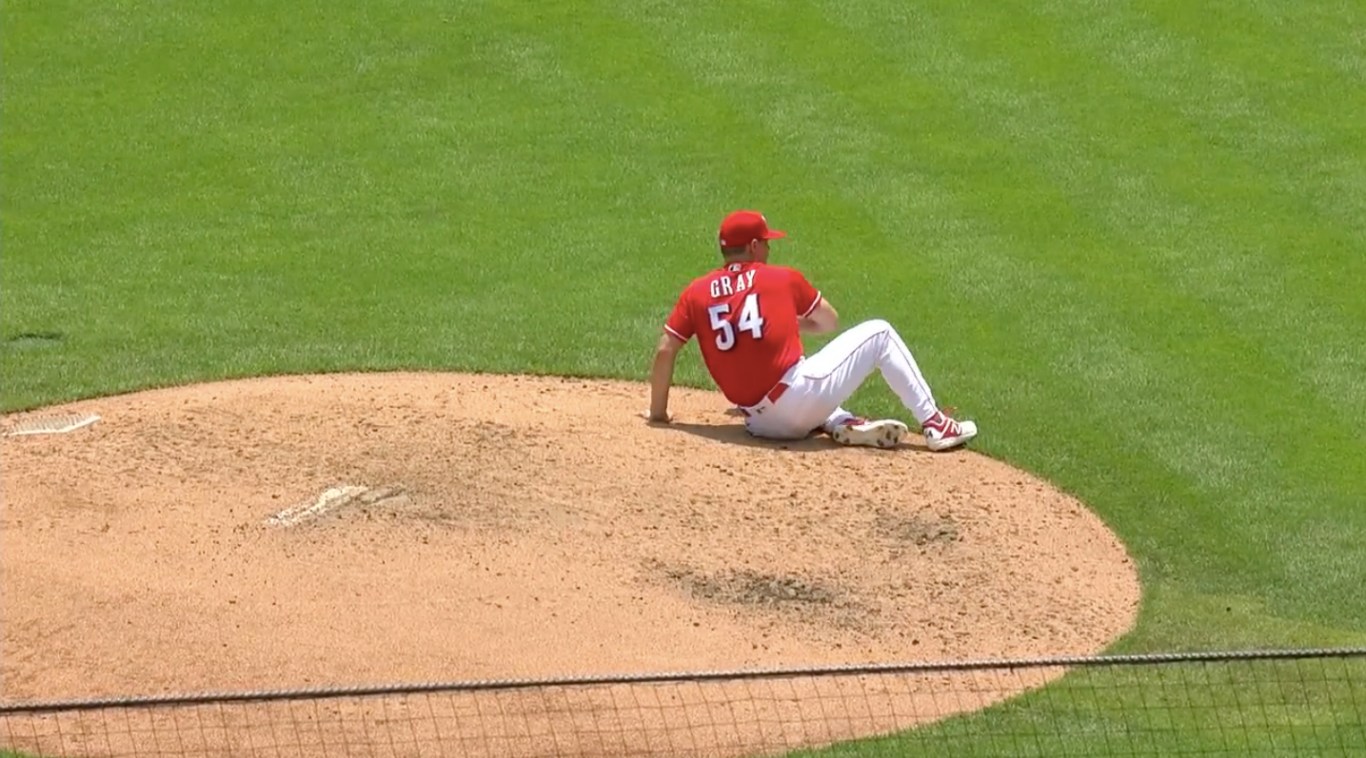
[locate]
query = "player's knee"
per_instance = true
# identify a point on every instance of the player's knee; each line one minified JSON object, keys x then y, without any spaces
{"x":879,"y":325}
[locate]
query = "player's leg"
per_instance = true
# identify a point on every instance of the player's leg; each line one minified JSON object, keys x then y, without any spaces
{"x":802,"y":411}
{"x":837,"y":370}
{"x":819,"y":384}
{"x":836,"y":419}
{"x":831,"y":376}
{"x":842,"y":426}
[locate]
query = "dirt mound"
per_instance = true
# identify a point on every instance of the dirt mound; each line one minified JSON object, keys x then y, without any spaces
{"x":349,"y":529}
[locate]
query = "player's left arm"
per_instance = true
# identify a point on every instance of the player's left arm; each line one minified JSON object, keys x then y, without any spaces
{"x":815,"y":314}
{"x":662,"y":376}
{"x":822,"y":319}
{"x":678,"y":329}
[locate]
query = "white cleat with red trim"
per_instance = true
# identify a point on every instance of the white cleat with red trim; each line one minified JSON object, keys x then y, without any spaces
{"x":942,"y":432}
{"x":883,"y":433}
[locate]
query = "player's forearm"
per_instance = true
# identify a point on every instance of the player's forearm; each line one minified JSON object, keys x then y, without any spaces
{"x":812,"y":326}
{"x":661,"y":378}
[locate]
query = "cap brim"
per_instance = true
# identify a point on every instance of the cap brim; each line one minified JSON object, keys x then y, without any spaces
{"x":775,"y":234}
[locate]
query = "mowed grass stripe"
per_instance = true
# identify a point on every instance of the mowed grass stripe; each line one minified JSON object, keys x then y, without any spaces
{"x":1317,"y":494}
{"x":1262,"y":708}
{"x":1315,"y":66}
{"x":1189,"y":256}
{"x":224,"y":220}
{"x":1310,"y":482}
{"x":417,"y":191}
{"x":1268,"y":493}
{"x":1285,"y":182}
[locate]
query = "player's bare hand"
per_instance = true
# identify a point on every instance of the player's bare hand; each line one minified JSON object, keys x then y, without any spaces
{"x":666,"y":418}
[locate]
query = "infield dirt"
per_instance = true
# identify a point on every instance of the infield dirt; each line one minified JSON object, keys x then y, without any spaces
{"x":520,"y":527}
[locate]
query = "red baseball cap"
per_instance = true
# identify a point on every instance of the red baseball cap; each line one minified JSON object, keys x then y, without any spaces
{"x":743,"y":227}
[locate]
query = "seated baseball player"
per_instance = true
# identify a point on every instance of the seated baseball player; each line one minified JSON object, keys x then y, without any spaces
{"x":749,"y":316}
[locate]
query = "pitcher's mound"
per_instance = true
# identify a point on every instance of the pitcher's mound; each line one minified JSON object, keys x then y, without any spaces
{"x":367,"y":528}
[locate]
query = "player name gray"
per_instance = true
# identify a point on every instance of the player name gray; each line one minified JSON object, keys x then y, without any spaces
{"x":723,"y":286}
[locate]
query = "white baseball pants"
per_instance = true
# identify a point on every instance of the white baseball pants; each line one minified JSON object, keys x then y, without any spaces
{"x":820,"y":383}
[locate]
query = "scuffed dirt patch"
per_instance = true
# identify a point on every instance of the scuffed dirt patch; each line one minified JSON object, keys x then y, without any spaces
{"x":752,"y":588}
{"x":763,"y":599}
{"x":522,"y":527}
{"x":916,"y":529}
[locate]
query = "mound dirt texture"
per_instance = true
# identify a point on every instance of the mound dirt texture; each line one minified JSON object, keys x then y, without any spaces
{"x":376,"y":528}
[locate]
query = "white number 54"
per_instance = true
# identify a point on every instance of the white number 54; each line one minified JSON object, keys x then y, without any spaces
{"x":749,"y":321}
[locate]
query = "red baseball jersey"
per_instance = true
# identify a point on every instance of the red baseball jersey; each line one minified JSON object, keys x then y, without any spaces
{"x":744,"y":316}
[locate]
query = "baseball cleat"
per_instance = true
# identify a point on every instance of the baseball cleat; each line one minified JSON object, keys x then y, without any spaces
{"x":942,"y":432}
{"x":882,"y":433}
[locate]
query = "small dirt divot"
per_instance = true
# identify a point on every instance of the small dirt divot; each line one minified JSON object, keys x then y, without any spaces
{"x":916,"y":530}
{"x":31,"y":340}
{"x":753,"y":588}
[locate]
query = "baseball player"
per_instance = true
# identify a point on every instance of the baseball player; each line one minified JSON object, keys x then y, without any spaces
{"x":748,"y":317}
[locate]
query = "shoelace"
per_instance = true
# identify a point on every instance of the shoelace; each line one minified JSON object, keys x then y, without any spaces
{"x":949,"y":424}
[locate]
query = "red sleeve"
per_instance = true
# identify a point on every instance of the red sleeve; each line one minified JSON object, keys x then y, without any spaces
{"x":679,"y":323}
{"x":805,"y":297}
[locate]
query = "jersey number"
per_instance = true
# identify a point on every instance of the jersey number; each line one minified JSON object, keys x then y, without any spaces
{"x":749,"y":321}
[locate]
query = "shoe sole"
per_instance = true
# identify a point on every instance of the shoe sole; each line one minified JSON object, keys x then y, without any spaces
{"x":969,"y":429}
{"x":884,"y":434}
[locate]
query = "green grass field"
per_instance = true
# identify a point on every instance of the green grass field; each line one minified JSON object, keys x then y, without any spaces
{"x":1128,"y":238}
